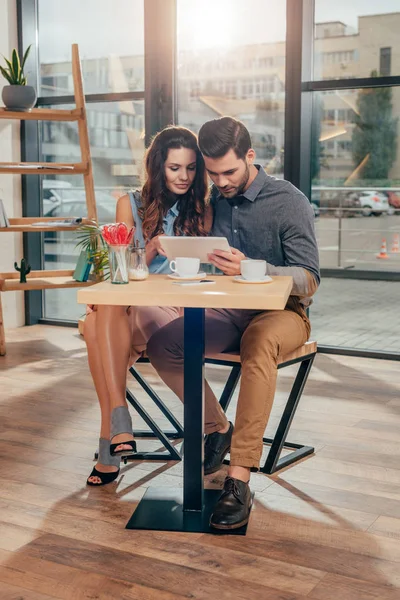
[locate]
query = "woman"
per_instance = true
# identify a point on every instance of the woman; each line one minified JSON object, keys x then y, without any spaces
{"x":173,"y":201}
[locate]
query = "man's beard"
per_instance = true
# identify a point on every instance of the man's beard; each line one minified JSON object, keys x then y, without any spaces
{"x":237,"y":191}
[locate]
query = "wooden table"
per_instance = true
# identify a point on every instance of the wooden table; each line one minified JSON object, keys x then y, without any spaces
{"x":162,"y":508}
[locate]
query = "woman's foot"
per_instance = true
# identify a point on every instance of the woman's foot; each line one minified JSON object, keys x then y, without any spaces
{"x":122,"y":437}
{"x":122,"y":442}
{"x":100,"y":468}
{"x":107,"y":466}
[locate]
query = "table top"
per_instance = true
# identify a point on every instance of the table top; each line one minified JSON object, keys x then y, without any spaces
{"x":159,"y":290}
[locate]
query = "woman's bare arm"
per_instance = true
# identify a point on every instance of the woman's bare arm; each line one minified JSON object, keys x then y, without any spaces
{"x":124,"y":211}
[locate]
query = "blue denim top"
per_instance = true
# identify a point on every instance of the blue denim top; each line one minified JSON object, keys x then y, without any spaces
{"x":160,"y":264}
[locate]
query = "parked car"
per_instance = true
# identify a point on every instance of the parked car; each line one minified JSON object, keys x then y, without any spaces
{"x":394,"y":200}
{"x":335,"y":203}
{"x":75,"y":206}
{"x":315,"y":198}
{"x":53,"y":192}
{"x":373,"y":203}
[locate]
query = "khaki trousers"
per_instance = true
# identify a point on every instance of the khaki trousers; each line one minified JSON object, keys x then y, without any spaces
{"x":261,"y":336}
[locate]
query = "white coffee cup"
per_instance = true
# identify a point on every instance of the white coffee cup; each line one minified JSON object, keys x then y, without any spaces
{"x":185,"y":267}
{"x":253,"y":269}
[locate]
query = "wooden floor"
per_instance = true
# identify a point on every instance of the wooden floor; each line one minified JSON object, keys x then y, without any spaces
{"x":326,"y":529}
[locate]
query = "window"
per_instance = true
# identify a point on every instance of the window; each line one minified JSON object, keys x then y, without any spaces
{"x":385,"y":61}
{"x":111,"y":45}
{"x":352,"y":39}
{"x":232,"y":34}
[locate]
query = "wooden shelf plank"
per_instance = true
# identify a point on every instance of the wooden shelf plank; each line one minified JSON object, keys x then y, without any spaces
{"x":25,"y":224}
{"x":30,"y":228}
{"x":38,"y":273}
{"x":42,"y":114}
{"x":30,"y":168}
{"x":40,"y":280}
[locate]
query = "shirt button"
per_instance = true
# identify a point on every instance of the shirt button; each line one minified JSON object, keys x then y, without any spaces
{"x":235,"y":206}
{"x":235,"y":231}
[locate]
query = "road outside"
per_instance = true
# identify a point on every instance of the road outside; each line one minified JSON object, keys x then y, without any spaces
{"x":354,"y":242}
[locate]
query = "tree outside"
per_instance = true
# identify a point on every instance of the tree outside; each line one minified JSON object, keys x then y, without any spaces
{"x":375,"y":133}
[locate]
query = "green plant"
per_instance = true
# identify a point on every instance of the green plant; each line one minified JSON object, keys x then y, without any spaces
{"x":374,"y":138}
{"x":24,"y":270}
{"x":92,"y":242}
{"x":14,"y":73}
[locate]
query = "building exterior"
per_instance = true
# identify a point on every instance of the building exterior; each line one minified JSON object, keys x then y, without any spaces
{"x":246,"y":82}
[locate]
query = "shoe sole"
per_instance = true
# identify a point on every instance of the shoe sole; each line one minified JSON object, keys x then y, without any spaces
{"x":235,"y":526}
{"x":227,"y":527}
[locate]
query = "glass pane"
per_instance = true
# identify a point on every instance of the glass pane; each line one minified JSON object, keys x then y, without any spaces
{"x":231,"y":61}
{"x":356,"y":177}
{"x":352,"y":313}
{"x":116,"y":132}
{"x":111,"y":45}
{"x":356,"y":193}
{"x":352,"y":40}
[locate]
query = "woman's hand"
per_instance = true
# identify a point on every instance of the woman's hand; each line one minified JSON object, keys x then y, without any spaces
{"x":90,"y":308}
{"x":155,"y":245}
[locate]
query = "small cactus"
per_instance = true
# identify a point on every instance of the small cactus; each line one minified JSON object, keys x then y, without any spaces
{"x":24,"y":270}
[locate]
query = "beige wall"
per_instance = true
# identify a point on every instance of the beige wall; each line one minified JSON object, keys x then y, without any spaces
{"x":10,"y":185}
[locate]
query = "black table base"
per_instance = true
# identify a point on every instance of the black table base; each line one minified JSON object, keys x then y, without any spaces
{"x":161,"y":509}
{"x":169,"y":509}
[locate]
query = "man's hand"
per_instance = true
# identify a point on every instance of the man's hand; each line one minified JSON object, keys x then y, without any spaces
{"x":227,"y":262}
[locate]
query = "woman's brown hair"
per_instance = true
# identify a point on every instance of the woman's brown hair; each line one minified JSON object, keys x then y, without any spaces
{"x":192,"y":205}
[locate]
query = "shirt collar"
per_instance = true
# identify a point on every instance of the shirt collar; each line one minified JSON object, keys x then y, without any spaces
{"x":253,"y":190}
{"x":256,"y":186}
{"x":174,"y":210}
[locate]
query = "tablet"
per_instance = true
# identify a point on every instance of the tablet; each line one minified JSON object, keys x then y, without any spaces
{"x":193,"y":247}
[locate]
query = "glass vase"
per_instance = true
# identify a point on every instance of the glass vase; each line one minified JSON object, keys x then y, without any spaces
{"x":118,"y":259}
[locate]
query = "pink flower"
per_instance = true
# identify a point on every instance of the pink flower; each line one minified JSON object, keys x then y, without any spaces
{"x":117,"y":234}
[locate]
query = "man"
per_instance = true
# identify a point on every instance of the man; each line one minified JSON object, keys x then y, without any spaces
{"x":263,"y":218}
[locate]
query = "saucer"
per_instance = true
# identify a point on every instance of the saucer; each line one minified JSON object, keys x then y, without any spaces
{"x":200,"y":275}
{"x":240,"y":279}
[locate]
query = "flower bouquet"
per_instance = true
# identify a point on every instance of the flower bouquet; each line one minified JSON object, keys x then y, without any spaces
{"x":118,"y":238}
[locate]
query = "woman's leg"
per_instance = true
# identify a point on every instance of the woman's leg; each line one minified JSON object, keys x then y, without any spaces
{"x":97,"y":372}
{"x":122,"y":335}
{"x":114,"y":338}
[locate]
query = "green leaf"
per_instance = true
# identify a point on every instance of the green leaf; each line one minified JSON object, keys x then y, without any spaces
{"x":16,"y":64}
{"x":8,"y":64}
{"x":25,"y":57}
{"x":6,"y":76}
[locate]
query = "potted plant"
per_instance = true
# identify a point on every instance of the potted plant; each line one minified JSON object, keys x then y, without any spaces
{"x":17,"y":95}
{"x":90,"y":240}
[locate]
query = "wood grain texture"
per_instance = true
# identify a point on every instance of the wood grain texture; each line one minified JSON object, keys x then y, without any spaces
{"x":42,"y":114}
{"x":160,"y":290}
{"x":326,"y":529}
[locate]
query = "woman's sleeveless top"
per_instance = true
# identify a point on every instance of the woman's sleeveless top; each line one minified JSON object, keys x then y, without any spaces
{"x":160,"y":263}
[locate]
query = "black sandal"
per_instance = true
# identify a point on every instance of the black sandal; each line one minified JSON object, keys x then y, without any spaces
{"x":104,"y":458}
{"x":121,"y":422}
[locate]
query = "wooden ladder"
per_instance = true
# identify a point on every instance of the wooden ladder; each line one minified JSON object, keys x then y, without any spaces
{"x":40,"y":280}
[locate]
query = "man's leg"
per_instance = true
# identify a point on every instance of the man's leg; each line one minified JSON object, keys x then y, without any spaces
{"x":268,"y":335}
{"x":165,"y":350}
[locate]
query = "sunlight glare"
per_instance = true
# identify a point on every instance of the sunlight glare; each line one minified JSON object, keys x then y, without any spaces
{"x":206,"y":24}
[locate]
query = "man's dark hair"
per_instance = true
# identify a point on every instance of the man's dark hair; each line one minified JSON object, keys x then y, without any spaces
{"x":218,"y":136}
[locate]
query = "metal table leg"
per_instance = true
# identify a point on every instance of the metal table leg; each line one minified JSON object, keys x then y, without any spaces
{"x":189,"y":509}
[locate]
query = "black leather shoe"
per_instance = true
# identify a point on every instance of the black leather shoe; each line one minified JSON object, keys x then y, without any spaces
{"x":233,"y":508}
{"x":216,"y":447}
